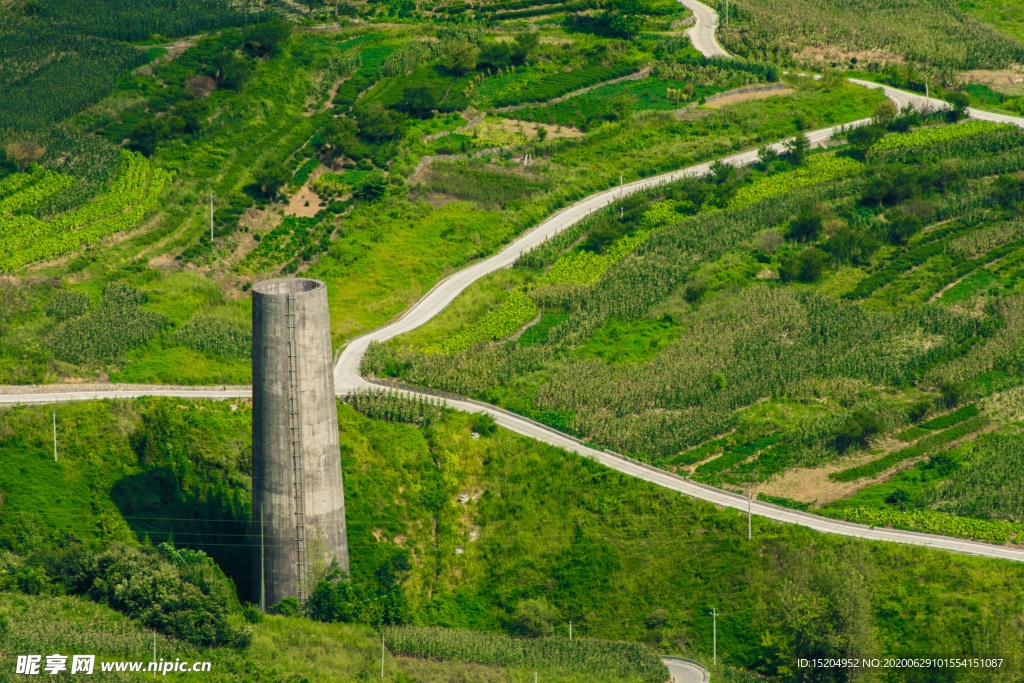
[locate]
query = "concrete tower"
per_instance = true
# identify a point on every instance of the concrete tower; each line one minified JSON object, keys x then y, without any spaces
{"x":298,"y":499}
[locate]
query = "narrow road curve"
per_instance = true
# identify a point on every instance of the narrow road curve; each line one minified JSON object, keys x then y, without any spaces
{"x":685,"y":671}
{"x":702,"y":34}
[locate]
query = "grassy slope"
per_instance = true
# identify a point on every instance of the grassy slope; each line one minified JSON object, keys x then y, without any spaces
{"x":572,"y":377}
{"x":605,"y":549}
{"x":1004,"y":16}
{"x":387,"y":256}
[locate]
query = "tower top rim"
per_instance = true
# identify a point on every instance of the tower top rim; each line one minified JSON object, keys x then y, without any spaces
{"x":287,"y":286}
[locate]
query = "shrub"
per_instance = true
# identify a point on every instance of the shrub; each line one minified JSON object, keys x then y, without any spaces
{"x":483,"y":424}
{"x":857,"y":429}
{"x":181,"y":593}
{"x":534,"y":618}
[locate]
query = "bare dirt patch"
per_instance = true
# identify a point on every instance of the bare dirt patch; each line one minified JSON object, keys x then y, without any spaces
{"x":812,"y":485}
{"x":839,"y":55}
{"x":306,"y":202}
{"x":743,"y":97}
{"x":531,"y":128}
{"x":1006,"y":81}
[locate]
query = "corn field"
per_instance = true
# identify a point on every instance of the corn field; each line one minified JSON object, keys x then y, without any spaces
{"x":631,"y":660}
{"x":216,"y":336}
{"x":392,"y":406}
{"x":118,"y":324}
{"x":763,"y":340}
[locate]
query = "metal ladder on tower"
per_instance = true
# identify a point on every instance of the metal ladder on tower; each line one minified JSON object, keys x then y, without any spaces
{"x":295,"y":424}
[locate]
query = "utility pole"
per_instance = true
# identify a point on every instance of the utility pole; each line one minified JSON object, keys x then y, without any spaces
{"x":570,"y":630}
{"x":382,"y":653}
{"x":750,"y":497}
{"x":211,"y":218}
{"x":263,"y":570}
{"x":727,"y":13}
{"x":154,"y":653}
{"x":714,"y":637}
{"x":55,"y":437}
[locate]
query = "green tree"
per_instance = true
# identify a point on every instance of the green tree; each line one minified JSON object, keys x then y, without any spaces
{"x":722,"y":172}
{"x":232,"y":70}
{"x":192,"y":114}
{"x":373,"y":188}
{"x":863,"y":138}
{"x":340,"y":139}
{"x":807,"y":224}
{"x":766,"y":156}
{"x":271,"y":177}
{"x":857,"y":429}
{"x":534,"y":618}
{"x":851,"y":245}
{"x":459,"y":56}
{"x":885,"y":111}
{"x":797,"y":148}
{"x":269,"y":37}
{"x":958,"y":103}
{"x":824,"y":609}
{"x":420,"y":98}
{"x":379,"y":124}
{"x":529,"y":41}
{"x":951,"y":392}
{"x":148,"y":134}
{"x":918,"y":409}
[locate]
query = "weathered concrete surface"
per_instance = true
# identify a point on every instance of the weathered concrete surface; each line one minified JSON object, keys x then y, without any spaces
{"x":304,"y":513}
{"x":702,"y":35}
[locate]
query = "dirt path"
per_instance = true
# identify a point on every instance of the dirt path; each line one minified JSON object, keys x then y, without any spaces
{"x":744,"y":97}
{"x":638,"y":76}
{"x":957,"y":281}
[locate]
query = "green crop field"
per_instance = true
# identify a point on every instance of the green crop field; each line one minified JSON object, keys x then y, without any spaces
{"x":835,"y":329}
{"x":782,"y":302}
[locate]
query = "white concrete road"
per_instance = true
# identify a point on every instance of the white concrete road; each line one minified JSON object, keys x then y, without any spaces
{"x":685,"y":671}
{"x":702,"y":34}
{"x":348,"y":378}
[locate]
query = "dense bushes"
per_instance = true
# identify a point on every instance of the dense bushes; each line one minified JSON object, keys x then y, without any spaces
{"x":178,"y":593}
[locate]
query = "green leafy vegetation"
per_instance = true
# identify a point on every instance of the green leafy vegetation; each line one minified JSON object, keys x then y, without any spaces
{"x":513,"y":313}
{"x":734,"y":377}
{"x":627,"y":661}
{"x":534,"y":511}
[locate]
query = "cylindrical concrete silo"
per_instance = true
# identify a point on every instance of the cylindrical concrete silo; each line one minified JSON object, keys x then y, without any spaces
{"x":298,"y":498}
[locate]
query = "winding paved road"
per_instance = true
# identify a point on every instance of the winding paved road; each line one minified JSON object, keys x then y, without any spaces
{"x":348,"y":378}
{"x":702,"y":34}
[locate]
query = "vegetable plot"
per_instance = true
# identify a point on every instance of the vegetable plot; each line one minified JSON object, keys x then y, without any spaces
{"x":516,"y":311}
{"x":24,"y":238}
{"x":816,"y":170}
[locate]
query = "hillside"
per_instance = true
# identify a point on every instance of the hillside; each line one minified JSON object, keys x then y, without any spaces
{"x":834,"y":328}
{"x":619,"y":558}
